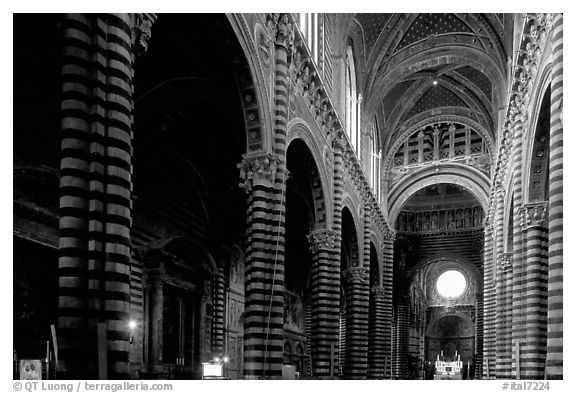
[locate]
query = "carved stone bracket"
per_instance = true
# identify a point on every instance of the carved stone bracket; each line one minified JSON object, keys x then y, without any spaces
{"x":356,"y":275}
{"x":141,"y":32}
{"x":323,"y":239}
{"x":258,"y":169}
{"x":534,"y":215}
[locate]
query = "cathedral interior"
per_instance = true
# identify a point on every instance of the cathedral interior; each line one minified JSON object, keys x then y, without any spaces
{"x":312,"y":196}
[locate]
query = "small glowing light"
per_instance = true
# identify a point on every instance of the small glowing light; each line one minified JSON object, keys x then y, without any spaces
{"x":216,"y":359}
{"x":132,"y":325}
{"x":435,"y":83}
{"x":226,"y":359}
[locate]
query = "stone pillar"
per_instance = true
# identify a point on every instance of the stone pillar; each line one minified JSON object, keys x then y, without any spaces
{"x":406,"y":152}
{"x":402,"y":327}
{"x":554,"y":355}
{"x":420,"y":147}
{"x":218,"y":296}
{"x":504,"y":317}
{"x":518,"y":290}
{"x":325,"y":288}
{"x":377,"y":334}
{"x":96,"y":190}
{"x":157,"y":278}
{"x":387,"y":307}
{"x":338,"y":148}
{"x":436,"y":135}
{"x":535,"y":218}
{"x":264,"y":177}
{"x":498,"y":241}
{"x":488,"y":349}
{"x":451,"y":131}
{"x":264,"y":272}
{"x":468,"y":143}
{"x":356,"y":289}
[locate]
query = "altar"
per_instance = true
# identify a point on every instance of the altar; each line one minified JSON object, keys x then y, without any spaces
{"x":448,"y":368}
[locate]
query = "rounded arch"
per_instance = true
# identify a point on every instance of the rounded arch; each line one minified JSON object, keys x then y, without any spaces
{"x":446,"y":258}
{"x":254,"y":79}
{"x":446,"y":313}
{"x":351,"y":241}
{"x":473,"y":180}
{"x":541,"y":96}
{"x":299,"y":130}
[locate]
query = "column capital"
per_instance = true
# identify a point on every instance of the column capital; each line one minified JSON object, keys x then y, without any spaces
{"x":534,"y":215}
{"x":323,"y":239}
{"x":356,"y":275}
{"x":141,"y":32}
{"x":258,"y":169}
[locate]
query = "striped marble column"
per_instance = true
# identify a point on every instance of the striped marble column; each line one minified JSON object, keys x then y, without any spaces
{"x":518,"y":290}
{"x":497,"y":252}
{"x":264,"y":307}
{"x":96,"y":193}
{"x":489,"y":332}
{"x":377,"y":345}
{"x":387,"y":307}
{"x":402,"y":324}
{"x":218,"y":295}
{"x":554,"y":355}
{"x":356,"y":282}
{"x":535,"y":226}
{"x":504,"y":319}
{"x":338,"y":145}
{"x":325,"y":289}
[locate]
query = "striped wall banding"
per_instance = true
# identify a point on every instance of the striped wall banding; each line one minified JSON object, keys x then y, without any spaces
{"x":95,"y":189}
{"x":356,"y":284}
{"x":325,"y":310}
{"x":554,"y":355}
{"x":504,"y":317}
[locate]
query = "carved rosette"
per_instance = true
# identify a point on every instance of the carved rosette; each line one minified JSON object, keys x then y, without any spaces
{"x":356,"y":275}
{"x":322,"y":240}
{"x":534,"y":216}
{"x":141,"y":32}
{"x":378,"y":293}
{"x":259,"y":169}
{"x":505,"y":261}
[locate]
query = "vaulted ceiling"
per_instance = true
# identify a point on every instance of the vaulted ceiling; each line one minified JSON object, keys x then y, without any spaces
{"x":414,"y":67}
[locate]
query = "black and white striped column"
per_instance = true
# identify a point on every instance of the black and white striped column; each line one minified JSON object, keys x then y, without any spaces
{"x":96,"y":194}
{"x":356,"y":283}
{"x":554,"y":355}
{"x":325,"y":288}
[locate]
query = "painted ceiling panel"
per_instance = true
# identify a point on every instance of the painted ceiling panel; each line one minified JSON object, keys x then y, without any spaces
{"x":436,"y":96}
{"x":372,"y":24}
{"x":478,"y":78}
{"x":395,"y":95}
{"x":432,"y":24}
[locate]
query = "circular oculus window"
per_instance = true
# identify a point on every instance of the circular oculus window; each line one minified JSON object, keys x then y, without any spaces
{"x":451,"y":284}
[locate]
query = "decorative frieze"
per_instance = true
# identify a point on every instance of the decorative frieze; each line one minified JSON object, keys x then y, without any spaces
{"x":258,"y":169}
{"x":281,"y":29}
